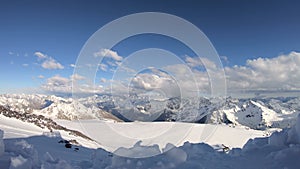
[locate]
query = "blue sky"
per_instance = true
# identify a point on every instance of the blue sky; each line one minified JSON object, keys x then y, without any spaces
{"x":239,"y":30}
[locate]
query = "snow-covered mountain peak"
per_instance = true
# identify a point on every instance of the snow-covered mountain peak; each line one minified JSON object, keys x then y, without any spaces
{"x":54,"y":107}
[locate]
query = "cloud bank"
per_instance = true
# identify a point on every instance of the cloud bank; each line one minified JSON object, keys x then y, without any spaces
{"x":280,"y":73}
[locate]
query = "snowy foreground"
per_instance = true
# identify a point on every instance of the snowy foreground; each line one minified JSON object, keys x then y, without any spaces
{"x":27,"y":146}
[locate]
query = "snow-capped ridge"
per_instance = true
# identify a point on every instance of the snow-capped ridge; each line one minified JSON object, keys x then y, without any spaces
{"x":55,"y":107}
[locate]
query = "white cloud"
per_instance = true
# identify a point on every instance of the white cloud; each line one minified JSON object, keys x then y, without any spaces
{"x":103,"y":67}
{"x":108,"y":53}
{"x":72,"y":65}
{"x":59,"y":84}
{"x":48,"y":62}
{"x":279,"y":73}
{"x":10,"y":53}
{"x":224,"y":58}
{"x":51,"y":63}
{"x":41,"y":77}
{"x":156,"y":80}
{"x":103,"y":80}
{"x":25,"y":64}
{"x":147,"y":81}
{"x":267,"y":74}
{"x":201,"y":62}
{"x":190,"y":80}
{"x":40,"y":55}
{"x":111,"y":63}
{"x":171,"y":81}
{"x":193,"y":61}
{"x":76,"y":77}
{"x":57,"y":80}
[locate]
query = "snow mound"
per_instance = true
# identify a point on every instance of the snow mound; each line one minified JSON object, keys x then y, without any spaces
{"x":138,"y":151}
{"x":19,"y":162}
{"x":287,"y":137}
{"x":25,"y":150}
{"x":171,"y":158}
{"x":49,"y":162}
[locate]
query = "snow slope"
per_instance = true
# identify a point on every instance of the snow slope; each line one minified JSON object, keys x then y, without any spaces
{"x":111,"y":136}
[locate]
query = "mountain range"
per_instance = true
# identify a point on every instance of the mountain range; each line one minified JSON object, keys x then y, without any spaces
{"x":255,"y":113}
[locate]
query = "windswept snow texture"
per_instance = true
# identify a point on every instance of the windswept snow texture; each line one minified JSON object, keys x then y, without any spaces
{"x":280,"y":150}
